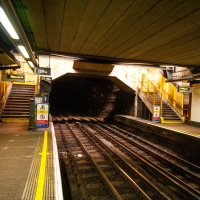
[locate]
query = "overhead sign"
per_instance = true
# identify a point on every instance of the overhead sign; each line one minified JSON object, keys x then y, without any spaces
{"x":156,"y":114}
{"x":13,"y":77}
{"x":42,"y":71}
{"x":42,"y":115}
{"x":184,"y":89}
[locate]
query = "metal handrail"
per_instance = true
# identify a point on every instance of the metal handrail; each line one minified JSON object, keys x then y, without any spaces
{"x":152,"y":87}
{"x":5,"y":88}
{"x":167,"y":96}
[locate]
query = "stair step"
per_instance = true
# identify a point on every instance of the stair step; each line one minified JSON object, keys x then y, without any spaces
{"x":171,"y":118}
{"x":22,"y":106}
{"x":172,"y":121}
{"x":16,"y":108}
{"x":21,"y":95}
{"x":21,"y":92}
{"x":168,"y":114}
{"x":15,"y":111}
{"x":18,"y":104}
{"x":15,"y":116}
{"x":18,"y":100}
{"x":23,"y":86}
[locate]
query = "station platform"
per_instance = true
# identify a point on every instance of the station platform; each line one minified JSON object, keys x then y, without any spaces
{"x":182,"y":139}
{"x":179,"y":128}
{"x":29,"y":165}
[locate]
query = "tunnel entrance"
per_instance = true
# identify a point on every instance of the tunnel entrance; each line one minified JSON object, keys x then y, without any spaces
{"x":89,"y":96}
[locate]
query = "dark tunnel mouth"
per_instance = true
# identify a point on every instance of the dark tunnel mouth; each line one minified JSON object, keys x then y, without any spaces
{"x":88,"y":96}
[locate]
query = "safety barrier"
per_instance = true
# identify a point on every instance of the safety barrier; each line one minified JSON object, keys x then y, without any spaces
{"x":151,"y":82}
{"x":5,"y":88}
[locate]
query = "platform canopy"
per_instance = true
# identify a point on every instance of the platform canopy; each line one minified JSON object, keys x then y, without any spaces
{"x":150,"y":32}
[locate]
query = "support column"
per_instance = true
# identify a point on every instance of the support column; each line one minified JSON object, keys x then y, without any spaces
{"x":136,"y":105}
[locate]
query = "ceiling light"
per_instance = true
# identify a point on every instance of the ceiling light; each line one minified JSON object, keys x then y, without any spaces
{"x":7,"y":25}
{"x":23,"y":51}
{"x":31,"y":64}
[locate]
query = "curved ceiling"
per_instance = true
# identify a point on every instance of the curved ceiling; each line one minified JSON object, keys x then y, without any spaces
{"x":128,"y":31}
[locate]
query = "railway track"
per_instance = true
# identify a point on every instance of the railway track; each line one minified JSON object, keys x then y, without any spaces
{"x":105,"y":162}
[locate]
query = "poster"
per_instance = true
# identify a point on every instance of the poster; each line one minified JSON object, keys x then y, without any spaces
{"x":156,"y":114}
{"x":42,"y":115}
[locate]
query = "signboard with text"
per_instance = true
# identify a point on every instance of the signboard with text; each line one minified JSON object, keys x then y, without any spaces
{"x":156,"y":114}
{"x":42,"y":115}
{"x":184,"y":89}
{"x":13,"y":77}
{"x":42,"y":71}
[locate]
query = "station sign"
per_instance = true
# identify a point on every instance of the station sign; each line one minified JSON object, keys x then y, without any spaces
{"x":13,"y":77}
{"x":42,"y":115}
{"x":156,"y":114}
{"x":42,"y":70}
{"x":184,"y":89}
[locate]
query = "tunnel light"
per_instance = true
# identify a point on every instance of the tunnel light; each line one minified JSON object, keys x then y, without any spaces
{"x":23,"y":51}
{"x":31,"y":64}
{"x":7,"y":25}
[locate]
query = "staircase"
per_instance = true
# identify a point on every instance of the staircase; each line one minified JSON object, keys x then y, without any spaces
{"x":168,"y":114}
{"x":17,"y":105}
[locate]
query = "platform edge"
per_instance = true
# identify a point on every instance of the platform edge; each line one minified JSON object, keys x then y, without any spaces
{"x":57,"y":175}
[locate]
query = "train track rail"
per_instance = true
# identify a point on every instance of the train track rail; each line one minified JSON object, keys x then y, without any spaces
{"x":105,"y":162}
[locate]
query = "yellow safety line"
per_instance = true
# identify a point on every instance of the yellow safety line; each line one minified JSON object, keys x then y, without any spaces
{"x":41,"y":177}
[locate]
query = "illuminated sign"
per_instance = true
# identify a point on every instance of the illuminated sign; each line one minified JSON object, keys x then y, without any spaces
{"x":13,"y":77}
{"x":42,"y":71}
{"x":184,"y":89}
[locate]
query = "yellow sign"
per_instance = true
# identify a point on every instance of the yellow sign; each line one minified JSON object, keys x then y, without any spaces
{"x":42,"y":115}
{"x":42,"y":112}
{"x":42,"y":107}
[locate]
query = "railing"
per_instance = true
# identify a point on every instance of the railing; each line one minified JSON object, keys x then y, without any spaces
{"x":4,"y":92}
{"x":166,"y":90}
{"x":151,"y":83}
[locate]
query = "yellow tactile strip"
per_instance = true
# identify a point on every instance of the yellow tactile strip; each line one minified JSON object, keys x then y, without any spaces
{"x":40,"y":182}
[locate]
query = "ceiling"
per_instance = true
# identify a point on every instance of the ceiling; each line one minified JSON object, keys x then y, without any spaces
{"x":113,"y":31}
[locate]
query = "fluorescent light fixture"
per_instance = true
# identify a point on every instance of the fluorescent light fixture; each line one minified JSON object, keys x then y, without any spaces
{"x":7,"y":25}
{"x":23,"y":51}
{"x":31,"y":64}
